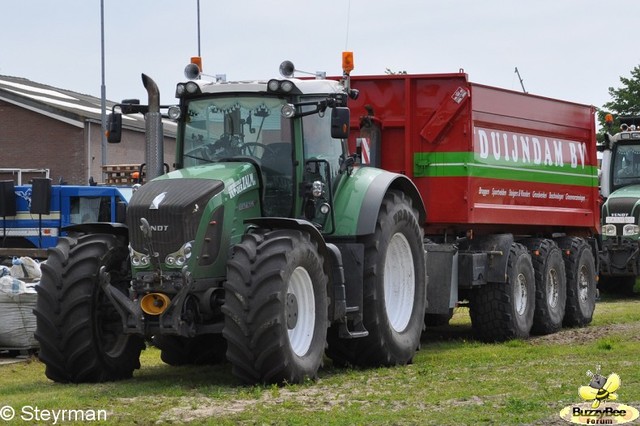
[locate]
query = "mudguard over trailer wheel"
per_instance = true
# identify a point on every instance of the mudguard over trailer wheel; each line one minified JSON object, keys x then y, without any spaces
{"x":79,"y":330}
{"x":394,"y":291}
{"x":551,"y":285}
{"x":276,"y":308}
{"x":503,"y":311}
{"x":581,"y":281}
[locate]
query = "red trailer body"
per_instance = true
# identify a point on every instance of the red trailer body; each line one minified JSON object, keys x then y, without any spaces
{"x":484,"y":157}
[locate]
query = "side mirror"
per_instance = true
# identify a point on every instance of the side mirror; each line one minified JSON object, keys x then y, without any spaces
{"x":340,"y":118}
{"x":114,"y":127}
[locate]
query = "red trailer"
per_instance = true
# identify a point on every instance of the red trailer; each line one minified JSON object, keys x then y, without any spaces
{"x":497,"y":171}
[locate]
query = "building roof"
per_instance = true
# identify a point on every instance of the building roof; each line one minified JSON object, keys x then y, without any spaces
{"x":65,"y":105}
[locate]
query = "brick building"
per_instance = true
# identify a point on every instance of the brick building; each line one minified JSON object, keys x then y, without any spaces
{"x":43,"y":127}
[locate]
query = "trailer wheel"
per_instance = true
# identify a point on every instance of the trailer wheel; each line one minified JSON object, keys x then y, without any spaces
{"x":551,"y":286}
{"x":207,"y":349}
{"x":276,"y":308}
{"x":503,"y":311}
{"x":581,"y":282}
{"x":79,"y":330}
{"x":394,"y":290}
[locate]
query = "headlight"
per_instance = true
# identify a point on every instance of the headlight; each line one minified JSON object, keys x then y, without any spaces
{"x":317,"y":189}
{"x":180,"y":90}
{"x":629,"y":230}
{"x":138,"y":259}
{"x":179,"y":258}
{"x":609,"y":230}
{"x":192,"y":87}
{"x":174,"y":112}
{"x":288,"y":111}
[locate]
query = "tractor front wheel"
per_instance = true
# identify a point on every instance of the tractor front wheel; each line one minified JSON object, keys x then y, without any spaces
{"x":276,"y":308}
{"x":80,"y":331}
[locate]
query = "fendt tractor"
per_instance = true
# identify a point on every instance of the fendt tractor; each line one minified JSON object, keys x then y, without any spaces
{"x":620,"y":188}
{"x":304,"y":216}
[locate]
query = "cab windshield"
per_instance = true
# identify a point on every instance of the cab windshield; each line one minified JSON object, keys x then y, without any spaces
{"x":626,"y":165}
{"x":220,"y":129}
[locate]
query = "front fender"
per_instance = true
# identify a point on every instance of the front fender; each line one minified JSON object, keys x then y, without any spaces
{"x":287,"y":223}
{"x":119,"y":229}
{"x":359,"y":197}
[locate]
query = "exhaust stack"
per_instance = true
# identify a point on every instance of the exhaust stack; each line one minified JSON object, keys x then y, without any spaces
{"x":154,"y":137}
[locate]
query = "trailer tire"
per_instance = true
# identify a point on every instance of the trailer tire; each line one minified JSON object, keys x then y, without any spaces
{"x":79,"y":330}
{"x":551,"y":286}
{"x":276,"y":307}
{"x":206,"y":349}
{"x":581,"y":281}
{"x":394,"y":290}
{"x":503,"y":311}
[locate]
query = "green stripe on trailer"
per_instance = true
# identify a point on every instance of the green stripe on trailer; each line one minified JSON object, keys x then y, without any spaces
{"x":466,"y":164}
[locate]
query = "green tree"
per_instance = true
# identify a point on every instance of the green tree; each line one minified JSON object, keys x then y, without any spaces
{"x":625,"y":100}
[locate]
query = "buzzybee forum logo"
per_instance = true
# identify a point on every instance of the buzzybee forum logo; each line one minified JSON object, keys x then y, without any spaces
{"x":599,"y":408}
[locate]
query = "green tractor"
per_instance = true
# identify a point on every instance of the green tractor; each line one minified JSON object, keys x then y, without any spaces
{"x":620,"y":189}
{"x":267,"y":246}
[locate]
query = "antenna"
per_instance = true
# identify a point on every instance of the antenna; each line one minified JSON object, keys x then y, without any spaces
{"x":521,"y":81}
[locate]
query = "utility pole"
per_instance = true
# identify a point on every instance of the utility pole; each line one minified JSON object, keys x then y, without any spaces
{"x":199,"y":29}
{"x":103,"y":93}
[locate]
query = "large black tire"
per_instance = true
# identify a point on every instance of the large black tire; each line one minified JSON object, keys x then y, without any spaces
{"x":394,"y":291}
{"x":551,"y":286}
{"x":581,"y":281}
{"x":79,"y":330}
{"x":276,"y":307}
{"x":207,"y":349}
{"x":503,"y":311}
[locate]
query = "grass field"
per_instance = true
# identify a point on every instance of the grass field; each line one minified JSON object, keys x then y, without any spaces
{"x":453,"y":380}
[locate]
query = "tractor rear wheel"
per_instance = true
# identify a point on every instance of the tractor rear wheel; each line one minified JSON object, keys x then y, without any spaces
{"x":503,"y":311}
{"x":276,"y":307}
{"x":394,"y":291}
{"x":79,"y":330}
{"x":581,"y":281}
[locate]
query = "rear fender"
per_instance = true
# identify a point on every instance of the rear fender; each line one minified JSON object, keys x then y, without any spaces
{"x":360,"y":196}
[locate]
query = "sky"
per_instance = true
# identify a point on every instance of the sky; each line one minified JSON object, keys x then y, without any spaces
{"x":567,"y":49}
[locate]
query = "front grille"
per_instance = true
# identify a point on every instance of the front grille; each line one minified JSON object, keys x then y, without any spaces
{"x":173,"y":208}
{"x":621,"y":207}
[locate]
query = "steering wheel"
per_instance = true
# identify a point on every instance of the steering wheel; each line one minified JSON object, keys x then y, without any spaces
{"x":266,"y":148}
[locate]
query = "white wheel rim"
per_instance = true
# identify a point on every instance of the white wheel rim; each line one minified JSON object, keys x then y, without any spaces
{"x":399,"y":282}
{"x":552,"y":288}
{"x":583,"y":284}
{"x":301,"y":333}
{"x":521,"y":294}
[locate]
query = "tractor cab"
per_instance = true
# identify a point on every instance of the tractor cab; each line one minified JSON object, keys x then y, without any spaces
{"x":292,"y":131}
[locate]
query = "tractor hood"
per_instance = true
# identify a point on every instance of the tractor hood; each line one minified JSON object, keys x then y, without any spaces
{"x":173,"y":204}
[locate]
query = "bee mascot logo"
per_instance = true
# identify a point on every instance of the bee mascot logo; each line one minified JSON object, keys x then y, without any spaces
{"x":600,"y":388}
{"x":598,"y":408}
